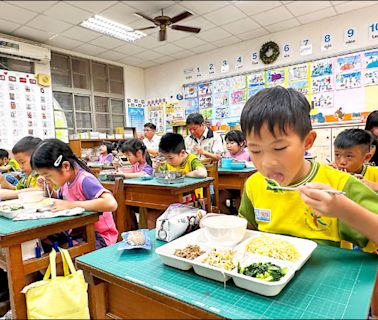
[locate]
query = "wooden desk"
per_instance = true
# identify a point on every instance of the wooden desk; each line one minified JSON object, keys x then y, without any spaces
{"x":14,"y":233}
{"x":334,"y":283}
{"x":233,"y":179}
{"x":151,"y":194}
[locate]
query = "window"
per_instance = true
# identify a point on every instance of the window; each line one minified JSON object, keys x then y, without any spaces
{"x":90,"y":93}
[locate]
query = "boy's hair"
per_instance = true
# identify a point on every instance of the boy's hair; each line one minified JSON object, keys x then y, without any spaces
{"x":27,"y":144}
{"x":372,"y":120}
{"x":236,"y":136}
{"x":133,"y":146}
{"x":109,"y":146}
{"x":195,"y":118}
{"x":278,"y":107}
{"x":150,"y":125}
{"x":353,"y":137}
{"x":51,"y":153}
{"x":172,"y":143}
{"x":4,"y":154}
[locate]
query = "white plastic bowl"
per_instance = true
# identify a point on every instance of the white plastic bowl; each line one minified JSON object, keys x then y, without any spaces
{"x":30,"y":197}
{"x":224,"y":230}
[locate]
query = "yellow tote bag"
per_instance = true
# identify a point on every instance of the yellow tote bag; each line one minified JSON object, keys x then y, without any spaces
{"x":61,"y":297}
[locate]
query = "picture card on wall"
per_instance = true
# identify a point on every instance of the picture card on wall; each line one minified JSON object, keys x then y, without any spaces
{"x":322,"y":84}
{"x":256,"y":79}
{"x":275,"y":77}
{"x":204,"y":89}
{"x":301,"y":86}
{"x":298,"y":72}
{"x":238,"y":96}
{"x":322,"y":100}
{"x":205,"y":102}
{"x":254,"y":90}
{"x":190,"y":91}
{"x":370,"y":77}
{"x":371,"y":59}
{"x":237,"y":82}
{"x":321,"y":68}
{"x":348,"y":63}
{"x":348,"y":80}
{"x":220,"y":86}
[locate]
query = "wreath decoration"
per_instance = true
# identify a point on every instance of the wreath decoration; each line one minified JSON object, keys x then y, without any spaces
{"x":269,"y":52}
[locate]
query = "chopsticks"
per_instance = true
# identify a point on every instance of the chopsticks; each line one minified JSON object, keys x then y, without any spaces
{"x":331,"y":191}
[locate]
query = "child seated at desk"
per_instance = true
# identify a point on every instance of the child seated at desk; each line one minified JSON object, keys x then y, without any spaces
{"x":278,"y":130}
{"x":106,"y":154}
{"x":7,"y":164}
{"x":54,"y":160}
{"x":22,"y":152}
{"x":235,"y":144}
{"x":352,"y":150}
{"x":137,"y":154}
{"x":172,"y":147}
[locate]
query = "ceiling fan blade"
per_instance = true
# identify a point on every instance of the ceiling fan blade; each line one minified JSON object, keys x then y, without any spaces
{"x":180,"y":16}
{"x":146,"y":28}
{"x":141,"y":15}
{"x":162,"y":34}
{"x":185,"y":28}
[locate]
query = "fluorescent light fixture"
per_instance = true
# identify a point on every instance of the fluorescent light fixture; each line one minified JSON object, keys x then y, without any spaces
{"x":112,"y":28}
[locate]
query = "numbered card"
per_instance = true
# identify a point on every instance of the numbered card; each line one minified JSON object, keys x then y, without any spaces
{"x":286,"y":50}
{"x":326,"y":42}
{"x":211,"y":68}
{"x":373,"y":31}
{"x":198,"y":72}
{"x":238,"y":62}
{"x":225,"y":66}
{"x":305,"y":47}
{"x":350,"y":36}
{"x":254,"y":58}
{"x":188,"y":72}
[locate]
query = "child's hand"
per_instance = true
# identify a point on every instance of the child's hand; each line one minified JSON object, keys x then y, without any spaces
{"x":62,"y":205}
{"x":322,"y":203}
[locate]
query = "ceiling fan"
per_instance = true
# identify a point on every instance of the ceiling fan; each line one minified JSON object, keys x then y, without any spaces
{"x":164,"y":21}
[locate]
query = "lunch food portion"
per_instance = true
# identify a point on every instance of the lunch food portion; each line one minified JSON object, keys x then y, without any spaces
{"x":273,"y":247}
{"x":265,"y":271}
{"x":221,"y":259}
{"x":189,"y":252}
{"x":12,"y":207}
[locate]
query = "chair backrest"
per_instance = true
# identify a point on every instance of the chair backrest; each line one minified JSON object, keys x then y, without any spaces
{"x":212,"y":172}
{"x":120,"y":213}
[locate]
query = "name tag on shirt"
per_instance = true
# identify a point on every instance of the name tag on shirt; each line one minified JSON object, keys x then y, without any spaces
{"x":263,"y":215}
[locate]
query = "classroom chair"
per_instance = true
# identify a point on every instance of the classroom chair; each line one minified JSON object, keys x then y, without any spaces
{"x":212,"y":172}
{"x":120,"y":213}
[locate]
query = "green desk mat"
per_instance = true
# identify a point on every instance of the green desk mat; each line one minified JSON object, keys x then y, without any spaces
{"x":187,"y":182}
{"x":8,"y":226}
{"x":236,"y":170}
{"x":324,"y":288}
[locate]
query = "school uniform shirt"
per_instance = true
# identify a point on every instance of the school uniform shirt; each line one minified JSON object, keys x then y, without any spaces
{"x":371,"y":174}
{"x":13,"y":164}
{"x":86,"y":187}
{"x":105,"y":158}
{"x":210,"y":142}
{"x":191,"y":163}
{"x":285,"y":212}
{"x":153,"y":143}
{"x":29,"y":181}
{"x":146,"y":168}
{"x":242,"y":155}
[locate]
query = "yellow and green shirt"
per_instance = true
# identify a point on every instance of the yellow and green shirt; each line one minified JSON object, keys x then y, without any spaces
{"x":370,"y":173}
{"x":29,"y":181}
{"x":191,"y":163}
{"x":285,"y":212}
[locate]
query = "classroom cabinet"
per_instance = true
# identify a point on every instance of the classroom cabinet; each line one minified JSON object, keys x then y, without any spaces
{"x":323,"y":146}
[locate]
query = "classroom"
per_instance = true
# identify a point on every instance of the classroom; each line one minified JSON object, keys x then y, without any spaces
{"x":188,"y":159}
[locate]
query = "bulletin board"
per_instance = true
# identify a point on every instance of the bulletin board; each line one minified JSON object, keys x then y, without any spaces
{"x":135,"y":113}
{"x":26,"y":108}
{"x":340,"y":88}
{"x":155,"y":114}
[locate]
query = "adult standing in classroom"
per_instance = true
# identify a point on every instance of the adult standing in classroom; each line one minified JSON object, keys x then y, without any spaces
{"x":202,"y":141}
{"x":372,"y":126}
{"x":151,"y":140}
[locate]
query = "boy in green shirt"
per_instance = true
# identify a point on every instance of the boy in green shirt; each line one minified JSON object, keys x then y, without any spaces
{"x":277,"y":127}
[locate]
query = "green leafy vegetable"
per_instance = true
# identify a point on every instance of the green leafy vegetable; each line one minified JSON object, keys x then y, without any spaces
{"x":271,"y":184}
{"x":265,"y":271}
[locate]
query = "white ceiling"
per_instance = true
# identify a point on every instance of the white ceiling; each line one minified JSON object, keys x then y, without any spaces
{"x":56,"y":23}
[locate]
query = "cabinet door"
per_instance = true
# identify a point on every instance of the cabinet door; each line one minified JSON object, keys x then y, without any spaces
{"x":322,"y":146}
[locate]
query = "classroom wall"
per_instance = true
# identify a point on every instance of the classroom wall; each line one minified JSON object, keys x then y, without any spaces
{"x":166,"y":80}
